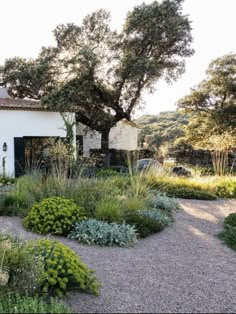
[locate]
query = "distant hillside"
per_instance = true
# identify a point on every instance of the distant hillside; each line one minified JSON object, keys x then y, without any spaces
{"x":160,"y":129}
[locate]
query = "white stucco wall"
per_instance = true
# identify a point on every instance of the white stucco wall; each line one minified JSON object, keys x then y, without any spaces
{"x":26,"y":123}
{"x":122,"y":136}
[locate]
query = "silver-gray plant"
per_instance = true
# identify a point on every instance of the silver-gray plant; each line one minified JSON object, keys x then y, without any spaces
{"x":102,"y":233}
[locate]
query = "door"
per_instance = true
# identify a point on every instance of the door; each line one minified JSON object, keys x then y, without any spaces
{"x":19,"y":156}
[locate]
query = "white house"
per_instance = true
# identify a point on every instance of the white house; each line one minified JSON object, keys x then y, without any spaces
{"x":24,"y":124}
{"x":124,"y":136}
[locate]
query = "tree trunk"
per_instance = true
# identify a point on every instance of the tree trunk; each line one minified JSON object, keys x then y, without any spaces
{"x":105,"y":147}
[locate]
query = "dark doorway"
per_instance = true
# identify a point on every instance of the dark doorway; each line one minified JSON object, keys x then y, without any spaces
{"x":31,"y":153}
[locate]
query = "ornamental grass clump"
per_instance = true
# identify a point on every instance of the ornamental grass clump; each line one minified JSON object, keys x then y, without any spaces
{"x":109,"y":210}
{"x":102,"y":233}
{"x":62,"y":269}
{"x":24,"y":304}
{"x":53,"y":215}
{"x":19,"y":270}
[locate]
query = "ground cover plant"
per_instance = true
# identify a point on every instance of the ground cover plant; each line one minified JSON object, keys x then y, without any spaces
{"x":103,"y":233}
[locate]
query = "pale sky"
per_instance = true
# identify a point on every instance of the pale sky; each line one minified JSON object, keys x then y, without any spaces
{"x":26,"y":26}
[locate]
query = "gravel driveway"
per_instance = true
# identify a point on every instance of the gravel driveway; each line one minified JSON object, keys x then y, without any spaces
{"x":185,"y":268}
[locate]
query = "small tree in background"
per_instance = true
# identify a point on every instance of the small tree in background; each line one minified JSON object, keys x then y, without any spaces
{"x":213,"y":105}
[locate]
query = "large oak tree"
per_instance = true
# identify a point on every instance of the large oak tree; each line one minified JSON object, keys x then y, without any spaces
{"x":103,"y":72}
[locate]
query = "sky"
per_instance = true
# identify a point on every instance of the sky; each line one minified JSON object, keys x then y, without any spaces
{"x":27,"y":25}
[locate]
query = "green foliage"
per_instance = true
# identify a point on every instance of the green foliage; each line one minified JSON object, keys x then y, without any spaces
{"x":230,"y":220}
{"x":62,"y":269}
{"x":109,"y":210}
{"x":228,"y":235}
{"x":226,"y":188}
{"x":183,"y":188}
{"x":24,"y":304}
{"x":28,"y":191}
{"x":19,"y":270}
{"x":7,"y":181}
{"x":144,"y":224}
{"x":163,"y":128}
{"x":189,"y":193}
{"x":213,"y":125}
{"x":104,"y":234}
{"x":134,"y":203}
{"x":153,"y":44}
{"x":105,"y":173}
{"x":53,"y":215}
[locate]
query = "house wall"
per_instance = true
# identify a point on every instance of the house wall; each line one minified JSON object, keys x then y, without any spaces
{"x":122,"y":136}
{"x":26,"y":123}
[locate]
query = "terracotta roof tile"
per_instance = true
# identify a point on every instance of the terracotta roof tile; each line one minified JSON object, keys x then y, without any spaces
{"x":24,"y":105}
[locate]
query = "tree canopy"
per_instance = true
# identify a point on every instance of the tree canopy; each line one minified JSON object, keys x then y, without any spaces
{"x":213,"y":104}
{"x":162,"y":129}
{"x":214,"y":99}
{"x":102,"y":71}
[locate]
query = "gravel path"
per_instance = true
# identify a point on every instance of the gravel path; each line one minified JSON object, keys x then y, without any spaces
{"x":185,"y":268}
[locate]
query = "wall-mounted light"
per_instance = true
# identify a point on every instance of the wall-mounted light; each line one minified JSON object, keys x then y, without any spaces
{"x":4,"y":147}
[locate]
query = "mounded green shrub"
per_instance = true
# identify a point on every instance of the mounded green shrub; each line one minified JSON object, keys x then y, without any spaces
{"x":102,"y":233}
{"x":106,"y":173}
{"x":62,"y":269}
{"x":143,"y":224}
{"x":24,"y":304}
{"x":53,"y":215}
{"x":230,"y":220}
{"x":189,"y":193}
{"x":228,"y":235}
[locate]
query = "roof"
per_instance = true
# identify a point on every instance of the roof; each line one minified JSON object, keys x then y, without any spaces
{"x":20,"y":104}
{"x":25,"y":105}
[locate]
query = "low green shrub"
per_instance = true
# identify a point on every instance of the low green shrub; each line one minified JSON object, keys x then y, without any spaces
{"x":62,"y":269}
{"x":230,"y":220}
{"x":7,"y":181}
{"x":106,"y":173}
{"x":19,"y":270}
{"x":24,"y":304}
{"x":109,"y":210}
{"x":104,"y":234}
{"x":158,"y":215}
{"x":188,"y":193}
{"x":226,"y":188}
{"x":143,"y":224}
{"x":53,"y":215}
